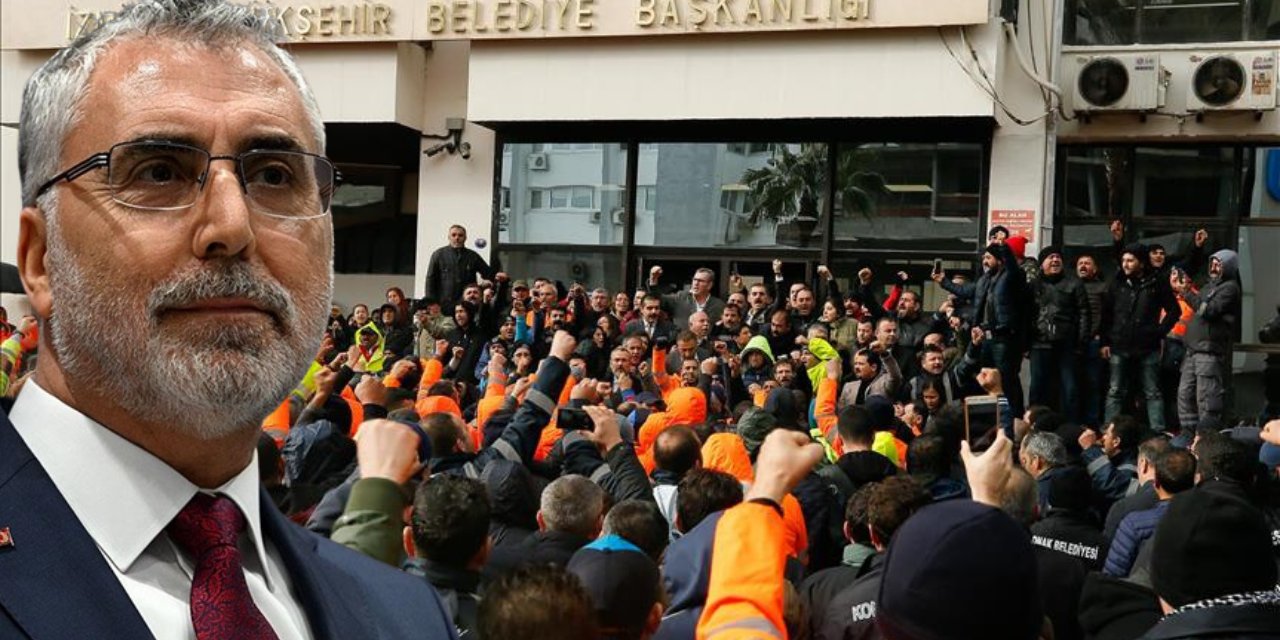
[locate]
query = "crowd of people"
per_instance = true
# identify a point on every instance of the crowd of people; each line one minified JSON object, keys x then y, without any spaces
{"x":540,"y":453}
{"x":517,"y":458}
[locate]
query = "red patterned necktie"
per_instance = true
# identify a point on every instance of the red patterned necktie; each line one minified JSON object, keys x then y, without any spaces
{"x":207,"y":529}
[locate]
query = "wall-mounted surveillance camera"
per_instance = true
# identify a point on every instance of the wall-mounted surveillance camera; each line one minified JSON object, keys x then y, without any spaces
{"x":464,"y":150}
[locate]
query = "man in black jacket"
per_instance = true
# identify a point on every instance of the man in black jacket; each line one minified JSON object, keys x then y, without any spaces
{"x":851,"y":613}
{"x":1131,"y":332}
{"x":999,"y":299}
{"x":570,"y":516}
{"x":450,"y":542}
{"x":1094,"y":366}
{"x":455,"y":266}
{"x":1061,"y":331}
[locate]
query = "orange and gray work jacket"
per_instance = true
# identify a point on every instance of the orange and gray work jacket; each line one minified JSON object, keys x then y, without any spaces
{"x":745,"y":594}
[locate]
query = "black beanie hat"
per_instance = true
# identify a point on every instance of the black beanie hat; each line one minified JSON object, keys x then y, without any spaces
{"x":945,"y":568}
{"x":1048,"y":251}
{"x":1140,"y":251}
{"x":1070,"y":488}
{"x":1211,"y":543}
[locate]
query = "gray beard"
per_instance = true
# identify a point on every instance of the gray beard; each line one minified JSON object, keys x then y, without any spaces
{"x":208,"y":383}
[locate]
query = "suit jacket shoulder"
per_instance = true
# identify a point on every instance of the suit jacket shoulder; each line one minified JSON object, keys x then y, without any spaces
{"x":57,"y":584}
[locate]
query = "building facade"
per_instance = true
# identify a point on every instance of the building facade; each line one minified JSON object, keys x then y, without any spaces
{"x":587,"y":140}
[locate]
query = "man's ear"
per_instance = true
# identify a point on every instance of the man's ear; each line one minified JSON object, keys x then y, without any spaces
{"x":33,"y":249}
{"x":875,"y":539}
{"x":542,"y":524}
{"x":654,"y":620}
{"x":848,"y":533}
{"x":410,"y":549}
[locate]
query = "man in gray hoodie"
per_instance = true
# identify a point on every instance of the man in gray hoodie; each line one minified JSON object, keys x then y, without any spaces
{"x":1208,"y":337}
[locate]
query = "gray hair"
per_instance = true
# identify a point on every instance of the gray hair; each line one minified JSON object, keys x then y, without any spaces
{"x":1019,"y":497}
{"x":572,"y":504}
{"x":1047,"y":446}
{"x":52,"y":102}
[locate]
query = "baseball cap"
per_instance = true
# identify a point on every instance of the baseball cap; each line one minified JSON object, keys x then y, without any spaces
{"x":622,"y":581}
{"x":1211,"y":542}
{"x":946,"y":566}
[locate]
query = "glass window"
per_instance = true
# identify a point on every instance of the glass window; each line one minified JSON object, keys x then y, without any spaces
{"x":1093,"y":240}
{"x":563,"y":193}
{"x":731,"y":195}
{"x":909,"y":196}
{"x":1096,"y":182}
{"x":1265,"y":190}
{"x":1106,"y":183}
{"x":1174,"y":182}
{"x":1112,"y":22}
{"x":647,"y":199}
{"x":1259,"y":262}
{"x":591,"y":268}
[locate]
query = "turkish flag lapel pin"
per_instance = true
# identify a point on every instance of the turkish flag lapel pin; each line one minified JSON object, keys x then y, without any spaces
{"x":6,"y":538}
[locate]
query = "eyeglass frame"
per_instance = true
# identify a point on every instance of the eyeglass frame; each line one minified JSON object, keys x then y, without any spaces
{"x":102,"y":159}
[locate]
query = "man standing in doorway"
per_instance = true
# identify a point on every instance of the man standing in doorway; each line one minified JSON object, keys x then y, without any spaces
{"x":1132,"y":329}
{"x":683,"y":304}
{"x":454,"y":267}
{"x":1208,"y":338}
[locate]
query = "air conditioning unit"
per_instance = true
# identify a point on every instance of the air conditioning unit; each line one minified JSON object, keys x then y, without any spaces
{"x":619,"y":216}
{"x":538,"y":162}
{"x":1119,"y":82}
{"x":595,"y":217}
{"x":1231,"y":81}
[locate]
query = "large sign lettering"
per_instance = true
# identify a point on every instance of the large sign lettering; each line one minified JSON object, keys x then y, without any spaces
{"x":30,"y":24}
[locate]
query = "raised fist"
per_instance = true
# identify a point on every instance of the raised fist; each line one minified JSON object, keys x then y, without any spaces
{"x":864,"y":276}
{"x":1117,"y":230}
{"x":824,"y":272}
{"x":777,"y":266}
{"x":655,"y":273}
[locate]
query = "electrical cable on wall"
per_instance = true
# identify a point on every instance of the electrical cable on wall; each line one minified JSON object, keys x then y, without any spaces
{"x":984,"y":82}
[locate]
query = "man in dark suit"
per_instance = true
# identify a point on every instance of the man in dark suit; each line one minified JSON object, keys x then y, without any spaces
{"x":683,"y":304}
{"x":193,"y":206}
{"x":651,"y":322}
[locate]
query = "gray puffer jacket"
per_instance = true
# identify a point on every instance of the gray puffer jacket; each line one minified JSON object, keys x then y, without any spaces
{"x":1217,"y":309}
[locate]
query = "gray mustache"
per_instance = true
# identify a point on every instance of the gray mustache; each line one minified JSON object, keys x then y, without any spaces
{"x":230,"y":280}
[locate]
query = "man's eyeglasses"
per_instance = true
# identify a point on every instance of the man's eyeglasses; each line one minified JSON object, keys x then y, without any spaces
{"x":168,"y":176}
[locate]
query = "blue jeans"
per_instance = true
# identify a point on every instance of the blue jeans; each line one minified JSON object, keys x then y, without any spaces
{"x":1053,"y":377}
{"x":1095,"y":384}
{"x":1148,"y":372}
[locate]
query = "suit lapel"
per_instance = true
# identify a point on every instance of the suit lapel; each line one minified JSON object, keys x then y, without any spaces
{"x":334,"y":609}
{"x":56,"y":583}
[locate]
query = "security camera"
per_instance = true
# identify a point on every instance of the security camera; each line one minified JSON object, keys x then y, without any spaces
{"x":464,"y":150}
{"x":438,"y":149}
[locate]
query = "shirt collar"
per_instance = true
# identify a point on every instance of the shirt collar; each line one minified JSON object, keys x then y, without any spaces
{"x":103,"y":477}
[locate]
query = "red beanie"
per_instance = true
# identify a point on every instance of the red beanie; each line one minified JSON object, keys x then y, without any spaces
{"x":1018,"y":245}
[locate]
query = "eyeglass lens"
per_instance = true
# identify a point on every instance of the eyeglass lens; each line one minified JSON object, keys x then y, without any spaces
{"x":169,"y":176}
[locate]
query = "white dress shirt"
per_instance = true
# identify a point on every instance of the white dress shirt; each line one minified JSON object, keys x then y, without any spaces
{"x":125,"y":497}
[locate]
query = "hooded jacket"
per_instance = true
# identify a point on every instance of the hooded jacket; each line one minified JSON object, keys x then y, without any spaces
{"x":686,"y":574}
{"x":1131,"y":322}
{"x":824,"y":352}
{"x":513,"y":501}
{"x":685,"y":406}
{"x":375,"y":359}
{"x":1216,"y":307}
{"x":757,"y":376}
